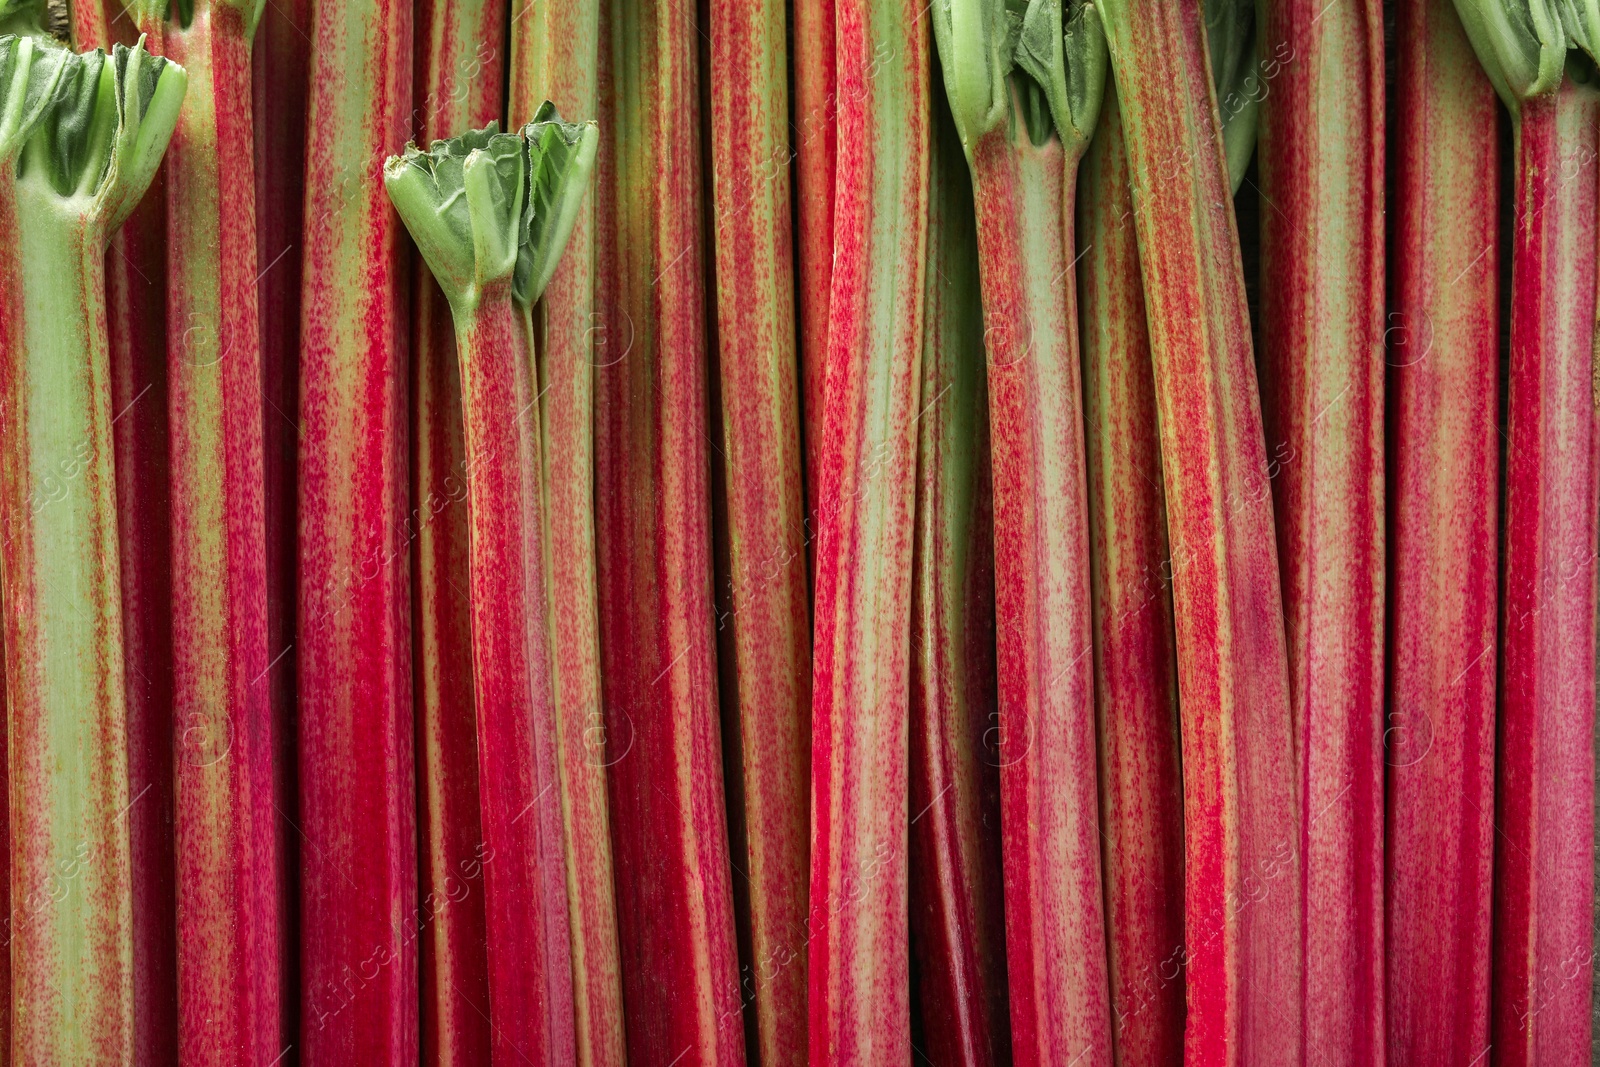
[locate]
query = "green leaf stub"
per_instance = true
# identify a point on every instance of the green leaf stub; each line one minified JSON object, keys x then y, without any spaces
{"x":561,"y":158}
{"x":91,"y":128}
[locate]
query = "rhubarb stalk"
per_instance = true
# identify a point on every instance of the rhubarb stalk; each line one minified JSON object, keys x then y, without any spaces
{"x":467,"y":203}
{"x":859,"y":986}
{"x":1025,"y":103}
{"x":90,"y":131}
{"x":136,"y":309}
{"x":816,"y":108}
{"x":1320,"y":153}
{"x":1544,"y":801}
{"x":761,"y":458}
{"x":227,"y":925}
{"x":1136,"y":684}
{"x":1242,"y":950}
{"x":280,"y":58}
{"x":1444,"y":525}
{"x":359,"y":992}
{"x":957,"y":903}
{"x":555,"y":48}
{"x":460,"y":56}
{"x":652,"y":518}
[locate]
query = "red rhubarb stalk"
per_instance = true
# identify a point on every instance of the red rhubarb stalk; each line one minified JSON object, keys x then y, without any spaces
{"x":762,"y":467}
{"x":281,"y":59}
{"x":460,"y":57}
{"x":957,"y":903}
{"x":816,"y":107}
{"x":1320,"y":154}
{"x":1242,"y":950}
{"x":359,"y":991}
{"x":1024,"y":130}
{"x":555,"y":48}
{"x":136,"y":306}
{"x":652,"y":518}
{"x":227,"y":892}
{"x":1444,"y":524}
{"x":90,"y":130}
{"x":1136,"y":684}
{"x":467,"y":204}
{"x":1544,"y":801}
{"x":859,"y":987}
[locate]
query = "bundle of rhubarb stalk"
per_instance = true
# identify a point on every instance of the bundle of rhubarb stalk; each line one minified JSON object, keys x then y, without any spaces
{"x":692,"y":533}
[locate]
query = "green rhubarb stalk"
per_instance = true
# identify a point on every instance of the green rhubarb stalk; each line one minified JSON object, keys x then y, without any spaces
{"x":957,"y":888}
{"x":1242,"y":949}
{"x":85,"y":134}
{"x":460,"y":47}
{"x":137,"y":324}
{"x":555,"y":48}
{"x":227,"y":891}
{"x":490,"y":213}
{"x":1320,"y":158}
{"x":676,"y":934}
{"x":1025,"y":89}
{"x":761,"y":458}
{"x":859,"y":989}
{"x":1136,"y":684}
{"x":1544,"y":803}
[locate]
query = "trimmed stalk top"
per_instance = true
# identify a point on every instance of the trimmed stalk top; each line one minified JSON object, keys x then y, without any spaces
{"x":1031,"y":63}
{"x":1523,"y":44}
{"x":91,"y":128}
{"x":180,"y":13}
{"x":488,"y":206}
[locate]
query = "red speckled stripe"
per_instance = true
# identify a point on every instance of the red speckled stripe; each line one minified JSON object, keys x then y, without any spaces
{"x":1544,"y":874}
{"x":460,"y":59}
{"x":359,"y":918}
{"x":674,"y":899}
{"x":770,"y":649}
{"x":555,"y":51}
{"x":857,"y":929}
{"x":1322,"y":320}
{"x":957,"y":906}
{"x":1241,"y":825}
{"x":1444,"y":528}
{"x":816,"y":107}
{"x":1136,"y":683}
{"x":530,"y":969}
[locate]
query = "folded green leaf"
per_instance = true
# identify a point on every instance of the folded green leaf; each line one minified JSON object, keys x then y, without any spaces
{"x":560,"y":161}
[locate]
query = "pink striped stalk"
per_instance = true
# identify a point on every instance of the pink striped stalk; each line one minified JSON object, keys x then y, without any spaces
{"x":281,"y":59}
{"x":859,"y":987}
{"x":227,"y":906}
{"x":1320,"y":153}
{"x":762,"y":466}
{"x":815,"y":148}
{"x":90,"y":132}
{"x":1024,"y":131}
{"x":1544,"y":810}
{"x":1242,"y":951}
{"x":652,"y":518}
{"x":467,"y":204}
{"x":136,"y":269}
{"x":957,"y":902}
{"x":460,"y":56}
{"x":1444,"y":526}
{"x":1544,"y":875}
{"x":358,"y":920}
{"x":555,"y":48}
{"x":1136,"y":683}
